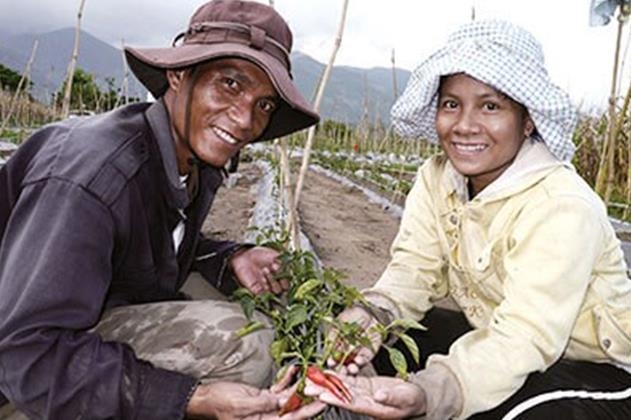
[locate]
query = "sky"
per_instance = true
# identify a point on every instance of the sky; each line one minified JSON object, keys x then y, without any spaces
{"x":579,"y":57}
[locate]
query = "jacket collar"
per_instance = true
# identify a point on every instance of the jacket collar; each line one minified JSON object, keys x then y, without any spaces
{"x":533,"y":162}
{"x":159,"y":122}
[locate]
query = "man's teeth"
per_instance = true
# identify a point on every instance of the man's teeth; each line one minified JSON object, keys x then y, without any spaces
{"x":470,"y":147}
{"x":226,"y":136}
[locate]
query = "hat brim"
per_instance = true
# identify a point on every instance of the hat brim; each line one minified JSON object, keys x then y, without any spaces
{"x":524,"y":81}
{"x":149,"y":65}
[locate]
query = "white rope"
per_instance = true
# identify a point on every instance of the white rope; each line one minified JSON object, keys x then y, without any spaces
{"x":557,"y":395}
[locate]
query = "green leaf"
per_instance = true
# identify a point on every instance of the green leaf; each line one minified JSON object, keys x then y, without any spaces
{"x":307,"y":288}
{"x":297,"y":316}
{"x":277,"y":348}
{"x":248,"y":305}
{"x":249,"y":328}
{"x":406,"y":324}
{"x":411,"y":345}
{"x":398,"y":361}
{"x":241,"y":293}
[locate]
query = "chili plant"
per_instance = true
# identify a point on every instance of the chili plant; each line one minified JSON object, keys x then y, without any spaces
{"x":306,"y":313}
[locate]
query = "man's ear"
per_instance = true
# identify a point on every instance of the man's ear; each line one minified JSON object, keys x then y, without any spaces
{"x":175,"y":79}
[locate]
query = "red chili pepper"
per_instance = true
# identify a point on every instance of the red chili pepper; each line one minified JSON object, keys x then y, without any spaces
{"x":330,"y":382}
{"x":293,"y":403}
{"x":337,"y":382}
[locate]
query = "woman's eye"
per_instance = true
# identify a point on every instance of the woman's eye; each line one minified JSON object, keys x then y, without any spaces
{"x":448,"y":104}
{"x":491,"y":106}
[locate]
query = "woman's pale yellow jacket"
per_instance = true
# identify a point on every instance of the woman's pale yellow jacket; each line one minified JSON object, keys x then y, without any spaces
{"x":532,"y":261}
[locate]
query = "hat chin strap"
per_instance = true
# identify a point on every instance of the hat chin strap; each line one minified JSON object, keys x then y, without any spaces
{"x":192,"y":183}
{"x":195,"y":162}
{"x":187,"y":112}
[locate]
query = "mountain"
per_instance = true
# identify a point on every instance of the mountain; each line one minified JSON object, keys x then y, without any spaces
{"x":53,"y":54}
{"x":352,"y":94}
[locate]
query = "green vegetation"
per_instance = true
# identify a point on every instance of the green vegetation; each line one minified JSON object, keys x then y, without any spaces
{"x":86,"y":95}
{"x":10,"y":79}
{"x":307,"y":331}
{"x":20,"y":113}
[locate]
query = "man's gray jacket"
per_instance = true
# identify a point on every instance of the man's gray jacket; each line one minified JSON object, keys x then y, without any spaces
{"x":87,"y":209}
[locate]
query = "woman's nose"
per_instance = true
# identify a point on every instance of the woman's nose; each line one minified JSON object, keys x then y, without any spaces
{"x":467,"y":122}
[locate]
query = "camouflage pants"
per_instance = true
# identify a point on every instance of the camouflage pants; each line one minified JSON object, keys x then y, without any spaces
{"x":193,"y":337}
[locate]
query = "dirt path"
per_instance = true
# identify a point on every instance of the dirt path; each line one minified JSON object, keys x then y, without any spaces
{"x":347,"y":232}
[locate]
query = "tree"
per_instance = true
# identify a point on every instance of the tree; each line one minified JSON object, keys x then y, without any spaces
{"x":10,"y":79}
{"x":85,"y":92}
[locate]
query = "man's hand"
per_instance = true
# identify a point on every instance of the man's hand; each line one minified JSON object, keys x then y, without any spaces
{"x":255,"y":268}
{"x":378,"y":396}
{"x":361,"y":355}
{"x":230,"y":400}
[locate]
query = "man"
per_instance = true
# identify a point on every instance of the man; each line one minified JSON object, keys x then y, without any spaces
{"x":100,"y":225}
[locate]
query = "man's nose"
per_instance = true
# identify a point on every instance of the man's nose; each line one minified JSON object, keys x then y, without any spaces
{"x":242,"y":112}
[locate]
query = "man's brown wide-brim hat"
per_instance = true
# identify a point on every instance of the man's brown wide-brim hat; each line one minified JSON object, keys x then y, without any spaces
{"x":232,"y":28}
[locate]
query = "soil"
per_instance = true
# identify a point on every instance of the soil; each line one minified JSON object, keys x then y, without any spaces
{"x":347,"y":232}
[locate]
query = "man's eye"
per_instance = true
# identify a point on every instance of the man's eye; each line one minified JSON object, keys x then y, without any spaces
{"x":267,"y":106}
{"x":231,"y":83}
{"x":491,"y":106}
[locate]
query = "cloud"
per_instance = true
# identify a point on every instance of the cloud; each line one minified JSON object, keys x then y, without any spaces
{"x":579,"y":57}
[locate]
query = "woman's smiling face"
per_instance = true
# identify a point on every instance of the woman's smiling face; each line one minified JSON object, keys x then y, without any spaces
{"x":480,"y":129}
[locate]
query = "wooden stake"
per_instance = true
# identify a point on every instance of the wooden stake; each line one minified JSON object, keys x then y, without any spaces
{"x":605,"y":175}
{"x":65,"y":106}
{"x":621,"y":119}
{"x":125,"y":85}
{"x":316,"y":106}
{"x":395,"y":88}
{"x":286,"y":189}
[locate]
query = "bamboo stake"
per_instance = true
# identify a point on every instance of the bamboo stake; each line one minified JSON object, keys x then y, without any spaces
{"x":621,"y":119}
{"x":25,"y":75}
{"x":286,"y":196}
{"x":613,"y":137}
{"x":395,"y":88}
{"x":65,"y":106}
{"x":125,"y":84}
{"x":316,"y":105}
{"x":623,"y":61}
{"x":604,"y":177}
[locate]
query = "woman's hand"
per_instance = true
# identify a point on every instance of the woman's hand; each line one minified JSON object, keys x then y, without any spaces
{"x":378,"y":396}
{"x":357,"y":357}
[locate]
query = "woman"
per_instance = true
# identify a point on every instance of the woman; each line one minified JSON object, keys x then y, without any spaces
{"x":502,"y":223}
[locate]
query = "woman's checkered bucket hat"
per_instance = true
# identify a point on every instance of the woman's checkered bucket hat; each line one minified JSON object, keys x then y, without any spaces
{"x":503,"y":56}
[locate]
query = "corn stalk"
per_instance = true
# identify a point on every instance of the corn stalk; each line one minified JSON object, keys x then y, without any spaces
{"x":65,"y":106}
{"x":316,"y":106}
